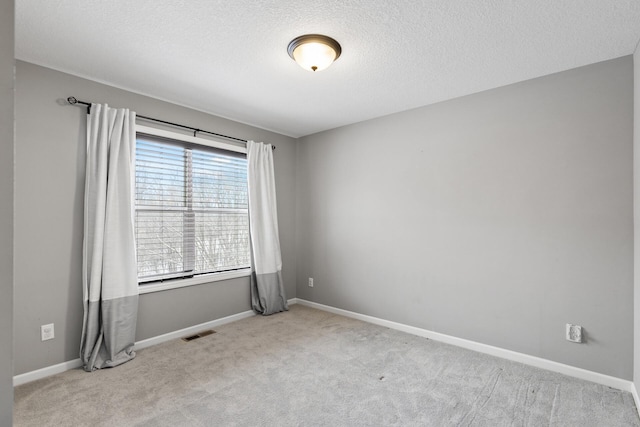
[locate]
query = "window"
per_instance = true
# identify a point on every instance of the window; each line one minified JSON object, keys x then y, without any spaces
{"x":191,"y":208}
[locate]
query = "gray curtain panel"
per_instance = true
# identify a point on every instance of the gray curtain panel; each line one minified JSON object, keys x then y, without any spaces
{"x":267,"y":289}
{"x":109,"y":276}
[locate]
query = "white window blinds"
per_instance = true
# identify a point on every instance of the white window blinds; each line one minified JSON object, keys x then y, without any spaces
{"x":191,"y":209}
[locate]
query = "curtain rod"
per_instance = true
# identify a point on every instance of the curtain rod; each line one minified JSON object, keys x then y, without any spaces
{"x":74,"y":101}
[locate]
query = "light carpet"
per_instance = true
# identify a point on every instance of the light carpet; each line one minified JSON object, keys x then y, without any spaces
{"x":307,"y":367}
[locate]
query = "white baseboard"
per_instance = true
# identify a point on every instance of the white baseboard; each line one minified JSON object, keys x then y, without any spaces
{"x":192,"y":330}
{"x":471,"y":345}
{"x":76,"y":363}
{"x":634,"y":393}
{"x":197,"y":328}
{"x":538,"y":362}
{"x":46,"y":372}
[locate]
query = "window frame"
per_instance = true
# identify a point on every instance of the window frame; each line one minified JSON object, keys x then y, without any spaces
{"x":148,"y":287}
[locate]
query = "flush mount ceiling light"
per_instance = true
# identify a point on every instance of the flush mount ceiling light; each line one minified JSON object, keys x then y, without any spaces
{"x":314,"y":52}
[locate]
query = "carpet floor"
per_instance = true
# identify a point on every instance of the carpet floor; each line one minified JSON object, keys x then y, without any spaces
{"x":307,"y":367}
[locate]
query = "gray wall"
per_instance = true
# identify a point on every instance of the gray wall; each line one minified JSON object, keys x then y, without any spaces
{"x":636,"y":211}
{"x":6,"y":211}
{"x":497,"y":217}
{"x":49,"y":173}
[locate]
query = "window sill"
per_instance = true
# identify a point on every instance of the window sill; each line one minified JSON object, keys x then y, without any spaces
{"x":182,"y":283}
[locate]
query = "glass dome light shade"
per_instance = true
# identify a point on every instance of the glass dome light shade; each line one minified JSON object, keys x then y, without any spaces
{"x":314,"y":52}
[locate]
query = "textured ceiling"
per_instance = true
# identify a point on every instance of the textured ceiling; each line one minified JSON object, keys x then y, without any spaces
{"x":229,"y":58}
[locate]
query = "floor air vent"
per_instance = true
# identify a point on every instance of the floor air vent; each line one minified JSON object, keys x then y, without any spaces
{"x":198,"y":335}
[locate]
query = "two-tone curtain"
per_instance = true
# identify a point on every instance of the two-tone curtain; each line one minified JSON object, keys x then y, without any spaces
{"x":109,"y":276}
{"x":267,"y":288}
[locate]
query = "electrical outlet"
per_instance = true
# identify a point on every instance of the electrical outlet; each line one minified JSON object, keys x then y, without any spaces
{"x":573,"y":333}
{"x":46,"y":332}
{"x":311,"y":282}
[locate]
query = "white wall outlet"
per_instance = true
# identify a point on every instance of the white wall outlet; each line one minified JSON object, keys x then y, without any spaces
{"x":574,"y":333}
{"x":311,"y":282}
{"x":46,"y":332}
